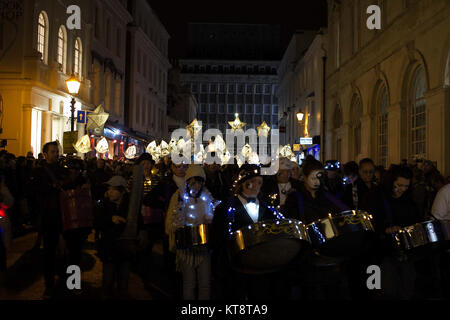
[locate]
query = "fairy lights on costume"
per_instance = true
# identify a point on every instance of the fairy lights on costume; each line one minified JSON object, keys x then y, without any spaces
{"x":232,"y":210}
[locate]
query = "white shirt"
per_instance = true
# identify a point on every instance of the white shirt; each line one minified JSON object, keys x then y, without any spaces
{"x":286,"y":187}
{"x":251,"y":208}
{"x":441,"y":204}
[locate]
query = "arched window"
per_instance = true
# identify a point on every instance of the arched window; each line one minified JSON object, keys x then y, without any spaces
{"x":337,"y":121}
{"x":356,"y":125}
{"x":78,"y":57}
{"x":42,"y":36}
{"x":383,"y":102}
{"x":417,"y":115}
{"x":62,"y":48}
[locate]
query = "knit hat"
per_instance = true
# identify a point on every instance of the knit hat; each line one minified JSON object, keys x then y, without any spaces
{"x":195,"y":170}
{"x":117,"y":181}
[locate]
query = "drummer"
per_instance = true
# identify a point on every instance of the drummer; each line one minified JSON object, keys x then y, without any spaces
{"x":311,"y":203}
{"x":398,"y":276}
{"x":241,"y":210}
{"x":192,"y":205}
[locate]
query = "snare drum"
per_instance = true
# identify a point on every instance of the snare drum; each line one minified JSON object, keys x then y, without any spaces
{"x":266,"y":246}
{"x":192,"y":236}
{"x":348,"y":233}
{"x":419,"y":235}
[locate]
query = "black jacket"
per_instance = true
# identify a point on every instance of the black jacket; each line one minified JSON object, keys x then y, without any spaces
{"x":47,"y":184}
{"x":270,"y":192}
{"x":401,"y":212}
{"x":313,"y":208}
{"x":159,"y":196}
{"x":370,"y":200}
{"x":220,"y":224}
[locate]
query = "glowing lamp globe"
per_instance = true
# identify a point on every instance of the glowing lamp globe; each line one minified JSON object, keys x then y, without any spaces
{"x":73,"y":85}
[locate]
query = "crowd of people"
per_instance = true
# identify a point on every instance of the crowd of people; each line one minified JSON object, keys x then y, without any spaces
{"x":45,"y":195}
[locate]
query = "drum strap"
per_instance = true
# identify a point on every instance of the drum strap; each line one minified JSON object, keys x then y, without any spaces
{"x":301,"y":207}
{"x":388,"y":210}
{"x":338,"y":203}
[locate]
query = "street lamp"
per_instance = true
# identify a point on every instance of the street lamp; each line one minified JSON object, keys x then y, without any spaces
{"x":73,"y":85}
{"x":300,"y":116}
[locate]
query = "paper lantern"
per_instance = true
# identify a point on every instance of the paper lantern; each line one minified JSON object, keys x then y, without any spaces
{"x":102,"y":146}
{"x":130,"y":153}
{"x":236,"y":124}
{"x":263,"y":130}
{"x":194,"y":128}
{"x":164,"y":147}
{"x":151,"y":147}
{"x":225,"y":157}
{"x":83,"y":144}
{"x":246,"y":150}
{"x":97,"y":119}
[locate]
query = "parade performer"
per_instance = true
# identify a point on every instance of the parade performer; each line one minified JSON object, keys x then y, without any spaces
{"x":192,"y":205}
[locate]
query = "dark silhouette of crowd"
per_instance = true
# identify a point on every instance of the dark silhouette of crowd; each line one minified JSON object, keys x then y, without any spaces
{"x":39,"y":195}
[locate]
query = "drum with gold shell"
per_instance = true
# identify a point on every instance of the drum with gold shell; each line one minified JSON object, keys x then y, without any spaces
{"x":266,"y":246}
{"x":348,"y":233}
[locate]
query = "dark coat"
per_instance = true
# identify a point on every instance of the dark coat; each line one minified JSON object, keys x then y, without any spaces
{"x":241,"y":219}
{"x":313,"y":208}
{"x":370,"y":200}
{"x":270,"y":192}
{"x":401,"y":212}
{"x":110,"y":246}
{"x":47,"y":187}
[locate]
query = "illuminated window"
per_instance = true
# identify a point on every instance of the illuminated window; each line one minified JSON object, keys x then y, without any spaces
{"x":77,"y":58}
{"x":417,"y":116}
{"x":356,"y":113}
{"x":383,"y":103}
{"x":62,"y":48}
{"x":42,"y":36}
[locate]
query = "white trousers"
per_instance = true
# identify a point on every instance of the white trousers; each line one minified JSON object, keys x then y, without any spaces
{"x":197,"y":277}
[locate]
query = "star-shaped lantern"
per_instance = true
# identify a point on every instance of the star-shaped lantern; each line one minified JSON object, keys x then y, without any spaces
{"x":263,"y":130}
{"x":83,"y":145}
{"x":102,"y":146}
{"x":237,"y":124}
{"x":97,"y":120}
{"x":194,"y":129}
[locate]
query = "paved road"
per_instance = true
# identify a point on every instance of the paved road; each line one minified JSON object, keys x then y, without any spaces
{"x":25,"y":278}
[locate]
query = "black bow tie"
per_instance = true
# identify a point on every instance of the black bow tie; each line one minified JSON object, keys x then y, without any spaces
{"x":249,"y":200}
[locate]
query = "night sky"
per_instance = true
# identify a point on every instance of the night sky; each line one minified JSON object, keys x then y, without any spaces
{"x":290,"y":15}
